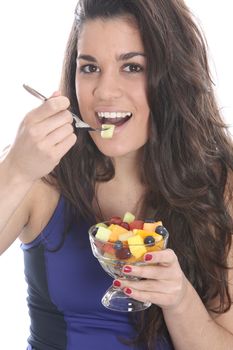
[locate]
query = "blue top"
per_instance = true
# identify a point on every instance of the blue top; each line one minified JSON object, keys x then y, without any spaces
{"x":65,"y":290}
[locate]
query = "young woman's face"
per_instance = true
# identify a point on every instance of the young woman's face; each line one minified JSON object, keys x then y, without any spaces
{"x":111,"y":84}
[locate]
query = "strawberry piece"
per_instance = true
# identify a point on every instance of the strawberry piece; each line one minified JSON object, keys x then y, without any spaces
{"x":108,"y":248}
{"x":136,"y":224}
{"x":125,"y":225}
{"x":99,"y":245}
{"x":117,"y":220}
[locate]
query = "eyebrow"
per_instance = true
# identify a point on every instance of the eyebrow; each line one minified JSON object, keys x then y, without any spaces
{"x":122,"y":57}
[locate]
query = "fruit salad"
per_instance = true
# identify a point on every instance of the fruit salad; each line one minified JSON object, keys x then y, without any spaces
{"x":128,"y":239}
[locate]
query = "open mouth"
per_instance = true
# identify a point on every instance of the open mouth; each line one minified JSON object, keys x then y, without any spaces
{"x":115,"y":118}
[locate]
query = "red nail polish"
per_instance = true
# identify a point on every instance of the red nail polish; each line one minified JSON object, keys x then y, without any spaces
{"x":128,"y":290}
{"x":117,"y":283}
{"x":127,"y":269}
{"x":148,"y":257}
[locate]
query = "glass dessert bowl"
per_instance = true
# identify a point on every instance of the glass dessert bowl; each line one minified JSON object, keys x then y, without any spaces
{"x":116,"y":244}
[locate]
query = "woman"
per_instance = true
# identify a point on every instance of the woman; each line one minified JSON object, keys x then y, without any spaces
{"x":170,"y":158}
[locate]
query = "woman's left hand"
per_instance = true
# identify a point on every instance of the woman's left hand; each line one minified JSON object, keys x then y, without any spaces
{"x":163,"y":283}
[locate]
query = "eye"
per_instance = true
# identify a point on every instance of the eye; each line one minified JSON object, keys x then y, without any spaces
{"x":132,"y":68}
{"x":89,"y":68}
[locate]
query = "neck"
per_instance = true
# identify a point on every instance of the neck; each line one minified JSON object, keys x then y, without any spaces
{"x":127,"y":168}
{"x":123,"y":192}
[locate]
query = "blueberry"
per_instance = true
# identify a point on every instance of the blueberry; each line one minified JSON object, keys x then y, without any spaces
{"x":118,"y":245}
{"x":161,"y":230}
{"x":149,"y":240}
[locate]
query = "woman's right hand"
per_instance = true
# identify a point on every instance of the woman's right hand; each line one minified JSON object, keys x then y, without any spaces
{"x":44,"y":136}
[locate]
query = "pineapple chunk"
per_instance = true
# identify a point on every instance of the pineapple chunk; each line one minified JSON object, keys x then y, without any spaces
{"x":136,"y":246}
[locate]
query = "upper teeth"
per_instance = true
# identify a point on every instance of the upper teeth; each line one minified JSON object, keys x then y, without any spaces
{"x":114,"y":114}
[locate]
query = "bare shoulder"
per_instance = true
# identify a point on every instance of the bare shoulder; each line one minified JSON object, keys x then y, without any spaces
{"x":225,"y":320}
{"x":31,"y":215}
{"x":42,"y":201}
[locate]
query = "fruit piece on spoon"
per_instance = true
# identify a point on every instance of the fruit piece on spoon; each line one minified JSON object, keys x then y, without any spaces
{"x":107,"y":131}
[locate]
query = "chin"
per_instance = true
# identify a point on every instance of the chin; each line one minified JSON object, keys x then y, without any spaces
{"x":115,"y":151}
{"x":119,"y":146}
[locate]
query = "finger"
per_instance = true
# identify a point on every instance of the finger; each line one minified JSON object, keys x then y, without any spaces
{"x":155,"y":271}
{"x":164,"y":257}
{"x":152,"y":286}
{"x":59,"y":134}
{"x":64,"y":146}
{"x":52,"y":123}
{"x":157,"y":298}
{"x":147,"y":285}
{"x":50,"y":107}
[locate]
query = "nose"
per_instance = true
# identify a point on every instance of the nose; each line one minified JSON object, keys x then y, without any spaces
{"x":108,"y":87}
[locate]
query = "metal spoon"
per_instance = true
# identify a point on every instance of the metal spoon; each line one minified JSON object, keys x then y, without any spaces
{"x":79,"y":124}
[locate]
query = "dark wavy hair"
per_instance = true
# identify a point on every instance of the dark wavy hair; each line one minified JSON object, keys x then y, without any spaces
{"x":188,"y":158}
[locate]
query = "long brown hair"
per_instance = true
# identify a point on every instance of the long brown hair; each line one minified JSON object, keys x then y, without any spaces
{"x":187,"y":158}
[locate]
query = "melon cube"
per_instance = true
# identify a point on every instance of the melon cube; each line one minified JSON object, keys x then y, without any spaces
{"x":107,"y":131}
{"x":128,"y":217}
{"x":151,"y":226}
{"x":124,"y":236}
{"x":136,"y":246}
{"x":103,"y":234}
{"x":101,"y":224}
{"x":116,"y":231}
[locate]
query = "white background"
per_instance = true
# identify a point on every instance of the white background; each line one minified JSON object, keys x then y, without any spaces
{"x":33,"y":36}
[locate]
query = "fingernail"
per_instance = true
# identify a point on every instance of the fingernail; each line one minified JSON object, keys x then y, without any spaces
{"x":128,"y":290}
{"x":148,"y":257}
{"x":117,"y":283}
{"x":127,"y":269}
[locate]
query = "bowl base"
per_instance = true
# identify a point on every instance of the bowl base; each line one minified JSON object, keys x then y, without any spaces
{"x":115,"y":299}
